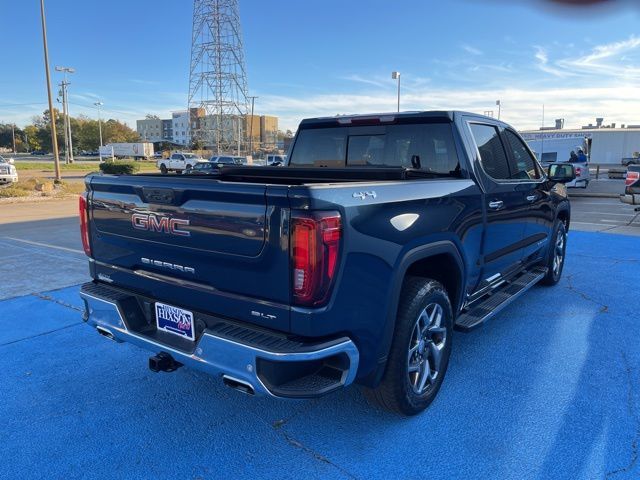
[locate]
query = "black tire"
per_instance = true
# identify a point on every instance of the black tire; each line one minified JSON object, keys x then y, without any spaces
{"x":397,"y":391}
{"x":163,"y":169}
{"x":189,"y":167}
{"x":554,"y":274}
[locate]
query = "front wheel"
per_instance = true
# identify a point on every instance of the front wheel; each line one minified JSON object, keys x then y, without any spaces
{"x":557,"y":254}
{"x":163,"y":169}
{"x":420,"y":350}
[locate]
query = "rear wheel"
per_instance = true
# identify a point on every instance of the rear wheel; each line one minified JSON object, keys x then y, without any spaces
{"x":557,"y":253}
{"x":420,"y":350}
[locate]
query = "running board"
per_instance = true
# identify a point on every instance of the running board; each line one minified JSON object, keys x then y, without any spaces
{"x":499,"y":299}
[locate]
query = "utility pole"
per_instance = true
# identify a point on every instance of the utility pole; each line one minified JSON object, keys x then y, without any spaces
{"x":99,"y":104}
{"x":65,"y":104}
{"x":13,"y":134}
{"x":498,"y":103}
{"x":61,"y":93}
{"x":52,"y":114}
{"x":253,"y":99}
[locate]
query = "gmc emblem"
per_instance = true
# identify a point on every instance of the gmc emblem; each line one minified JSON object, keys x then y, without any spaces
{"x":152,"y":223}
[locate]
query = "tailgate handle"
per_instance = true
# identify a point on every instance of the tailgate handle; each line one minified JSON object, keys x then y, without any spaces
{"x":158,"y":195}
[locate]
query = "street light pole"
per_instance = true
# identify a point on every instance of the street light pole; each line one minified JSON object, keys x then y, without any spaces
{"x":52,"y":115}
{"x":253,"y":99}
{"x":13,"y":134}
{"x":396,"y":76}
{"x":499,"y":108}
{"x":99,"y":104}
{"x":64,"y":118}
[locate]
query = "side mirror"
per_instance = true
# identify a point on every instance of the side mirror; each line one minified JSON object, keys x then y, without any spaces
{"x":561,"y":172}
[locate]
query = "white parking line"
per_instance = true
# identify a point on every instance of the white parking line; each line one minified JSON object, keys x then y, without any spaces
{"x":47,"y":245}
{"x":589,"y":223}
{"x":617,"y":222}
{"x":603,"y":204}
{"x":630,"y":214}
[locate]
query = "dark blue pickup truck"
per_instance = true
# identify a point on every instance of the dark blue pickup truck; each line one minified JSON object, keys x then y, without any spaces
{"x":351,"y":264}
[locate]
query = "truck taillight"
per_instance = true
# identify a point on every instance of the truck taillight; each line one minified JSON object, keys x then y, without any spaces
{"x":578,"y":171}
{"x":632,"y":177}
{"x":84,"y":223}
{"x":315,"y":251}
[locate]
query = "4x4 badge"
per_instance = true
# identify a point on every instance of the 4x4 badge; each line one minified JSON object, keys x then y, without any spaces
{"x":363,"y":195}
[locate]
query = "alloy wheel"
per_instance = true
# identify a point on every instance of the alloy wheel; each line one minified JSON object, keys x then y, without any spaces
{"x":428,"y":339}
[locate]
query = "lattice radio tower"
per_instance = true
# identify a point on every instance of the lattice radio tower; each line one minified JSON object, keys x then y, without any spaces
{"x":218,"y":102}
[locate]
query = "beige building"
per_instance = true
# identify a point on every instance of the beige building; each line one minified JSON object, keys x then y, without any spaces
{"x":268,"y":130}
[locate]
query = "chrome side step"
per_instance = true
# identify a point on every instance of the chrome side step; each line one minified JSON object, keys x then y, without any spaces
{"x":479,"y":313}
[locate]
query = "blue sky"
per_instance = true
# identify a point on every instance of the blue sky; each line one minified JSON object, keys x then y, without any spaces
{"x":309,"y":58}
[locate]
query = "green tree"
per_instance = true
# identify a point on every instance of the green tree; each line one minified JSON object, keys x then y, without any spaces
{"x":114,"y":131}
{"x":32,"y":142}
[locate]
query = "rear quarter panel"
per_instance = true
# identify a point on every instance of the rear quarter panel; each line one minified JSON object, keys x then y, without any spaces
{"x":378,"y":232}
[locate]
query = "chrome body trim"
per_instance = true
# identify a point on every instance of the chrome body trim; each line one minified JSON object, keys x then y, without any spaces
{"x":214,"y":355}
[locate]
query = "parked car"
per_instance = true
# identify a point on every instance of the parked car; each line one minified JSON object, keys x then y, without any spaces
{"x":39,"y":152}
{"x":353,"y":264}
{"x":8,"y":171}
{"x":276,"y":160}
{"x":158,"y":155}
{"x":203,"y":168}
{"x":631,"y":193}
{"x":227,"y":160}
{"x":631,"y":161}
{"x":178,"y":162}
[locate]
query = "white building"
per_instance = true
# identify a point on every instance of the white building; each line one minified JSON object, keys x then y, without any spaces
{"x":608,"y":145}
{"x":149,"y":129}
{"x":180,"y":125}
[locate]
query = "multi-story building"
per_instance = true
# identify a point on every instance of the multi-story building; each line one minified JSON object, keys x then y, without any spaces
{"x":167,"y":130}
{"x":180,"y":126}
{"x":268,"y":130}
{"x":150,"y":129}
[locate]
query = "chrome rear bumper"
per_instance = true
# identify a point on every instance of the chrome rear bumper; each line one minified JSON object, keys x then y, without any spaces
{"x":334,"y":363}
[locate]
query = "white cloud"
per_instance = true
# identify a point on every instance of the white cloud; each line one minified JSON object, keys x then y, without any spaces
{"x":520,"y":106}
{"x":471,"y":50}
{"x":617,"y":60}
{"x":367,"y":81}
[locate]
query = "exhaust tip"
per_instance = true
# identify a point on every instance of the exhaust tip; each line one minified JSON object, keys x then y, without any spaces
{"x":105,"y":333}
{"x":238,"y":385}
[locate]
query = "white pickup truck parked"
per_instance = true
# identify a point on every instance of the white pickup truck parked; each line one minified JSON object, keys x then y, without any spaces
{"x":178,"y":162}
{"x":8,"y":172}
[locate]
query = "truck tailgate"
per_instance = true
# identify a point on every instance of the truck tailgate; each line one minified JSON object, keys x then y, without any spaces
{"x":223,"y":244}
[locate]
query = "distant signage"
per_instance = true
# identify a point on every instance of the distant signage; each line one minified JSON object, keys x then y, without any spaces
{"x":553,"y":136}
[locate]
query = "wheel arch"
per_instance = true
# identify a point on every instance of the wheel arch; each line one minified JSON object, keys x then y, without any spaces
{"x":439,"y":261}
{"x":564,"y":215}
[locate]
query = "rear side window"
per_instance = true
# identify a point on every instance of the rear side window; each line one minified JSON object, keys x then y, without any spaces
{"x":430,"y":145}
{"x":492,"y":153}
{"x":523,"y":165}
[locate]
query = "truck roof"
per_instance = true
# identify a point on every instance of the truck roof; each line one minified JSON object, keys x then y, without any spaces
{"x":388,"y":117}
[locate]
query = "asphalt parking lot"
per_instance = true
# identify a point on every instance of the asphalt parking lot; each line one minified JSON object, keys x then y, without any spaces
{"x":550,"y":388}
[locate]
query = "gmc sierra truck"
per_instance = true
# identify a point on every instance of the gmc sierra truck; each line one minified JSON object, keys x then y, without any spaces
{"x":353,"y":263}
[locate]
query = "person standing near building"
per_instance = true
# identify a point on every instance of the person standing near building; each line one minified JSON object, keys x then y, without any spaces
{"x":581,"y":156}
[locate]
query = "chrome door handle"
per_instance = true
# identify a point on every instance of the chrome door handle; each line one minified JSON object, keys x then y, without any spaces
{"x":497,"y":205}
{"x":532,"y":198}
